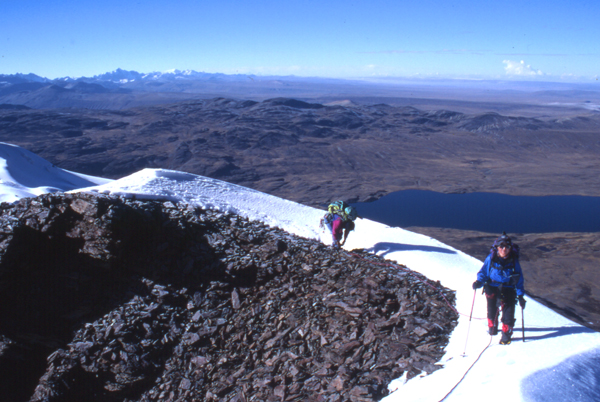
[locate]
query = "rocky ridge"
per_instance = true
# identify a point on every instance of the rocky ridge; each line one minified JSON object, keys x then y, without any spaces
{"x":106,"y":299}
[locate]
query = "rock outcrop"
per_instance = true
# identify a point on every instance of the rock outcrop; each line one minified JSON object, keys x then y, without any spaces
{"x":106,"y":299}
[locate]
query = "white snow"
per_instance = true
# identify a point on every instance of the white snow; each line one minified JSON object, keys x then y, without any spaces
{"x":24,"y":174}
{"x":558,"y":361}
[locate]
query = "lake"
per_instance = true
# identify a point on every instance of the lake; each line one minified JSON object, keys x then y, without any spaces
{"x":485,"y":212}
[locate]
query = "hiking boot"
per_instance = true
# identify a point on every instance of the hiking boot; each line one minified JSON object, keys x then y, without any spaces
{"x":506,"y":335}
{"x":506,"y":338}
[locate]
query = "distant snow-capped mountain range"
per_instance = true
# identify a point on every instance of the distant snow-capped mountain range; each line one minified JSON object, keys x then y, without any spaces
{"x":122,"y":89}
{"x":120,"y":76}
{"x":125,"y":89}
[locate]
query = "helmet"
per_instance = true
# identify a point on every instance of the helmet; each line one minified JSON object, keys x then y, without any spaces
{"x":503,"y":240}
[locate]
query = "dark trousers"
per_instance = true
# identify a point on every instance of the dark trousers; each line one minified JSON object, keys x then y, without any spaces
{"x":505,"y":299}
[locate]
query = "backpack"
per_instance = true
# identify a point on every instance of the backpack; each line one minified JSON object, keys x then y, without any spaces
{"x":342,"y":209}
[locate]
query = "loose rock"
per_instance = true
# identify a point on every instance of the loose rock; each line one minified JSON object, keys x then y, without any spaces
{"x":141,"y":300}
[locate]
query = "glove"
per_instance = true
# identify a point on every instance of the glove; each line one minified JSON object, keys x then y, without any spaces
{"x":477,"y":285}
{"x":522,"y":302}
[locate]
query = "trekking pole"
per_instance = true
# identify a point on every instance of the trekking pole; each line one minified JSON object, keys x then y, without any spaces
{"x":469,"y":328}
{"x":523,"y":323}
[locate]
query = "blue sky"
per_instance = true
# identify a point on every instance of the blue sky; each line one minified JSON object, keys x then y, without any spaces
{"x":526,"y":39}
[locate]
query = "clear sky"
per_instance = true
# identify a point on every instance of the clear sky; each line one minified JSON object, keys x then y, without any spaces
{"x":549,"y":40}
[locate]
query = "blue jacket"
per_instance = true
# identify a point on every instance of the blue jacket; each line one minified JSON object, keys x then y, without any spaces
{"x":496,"y":271}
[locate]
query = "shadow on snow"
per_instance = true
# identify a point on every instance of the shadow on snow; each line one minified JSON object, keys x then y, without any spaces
{"x":553,"y":332}
{"x":576,"y":379}
{"x":384,"y":248}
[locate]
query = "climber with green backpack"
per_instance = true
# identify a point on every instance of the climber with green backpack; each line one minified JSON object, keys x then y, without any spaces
{"x":339,"y":219}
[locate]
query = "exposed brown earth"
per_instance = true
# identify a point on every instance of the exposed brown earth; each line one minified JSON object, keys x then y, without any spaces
{"x":312,"y":153}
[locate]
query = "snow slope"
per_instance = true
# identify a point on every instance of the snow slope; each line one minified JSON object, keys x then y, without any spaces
{"x":558,"y":361}
{"x":24,"y":174}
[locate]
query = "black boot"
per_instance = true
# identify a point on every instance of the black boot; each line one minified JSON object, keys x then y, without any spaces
{"x":506,"y":335}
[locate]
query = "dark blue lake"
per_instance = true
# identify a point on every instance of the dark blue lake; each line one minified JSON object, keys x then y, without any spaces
{"x":485,"y":212}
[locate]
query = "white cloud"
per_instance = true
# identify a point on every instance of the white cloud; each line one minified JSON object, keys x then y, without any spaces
{"x":520,"y":68}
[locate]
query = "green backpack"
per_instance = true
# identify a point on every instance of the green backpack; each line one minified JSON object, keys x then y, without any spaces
{"x":345,"y":211}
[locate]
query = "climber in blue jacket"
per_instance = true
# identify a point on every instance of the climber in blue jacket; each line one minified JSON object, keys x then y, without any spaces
{"x":502,"y":279}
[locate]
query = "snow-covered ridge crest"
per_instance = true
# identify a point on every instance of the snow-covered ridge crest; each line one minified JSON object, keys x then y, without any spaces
{"x":558,"y":361}
{"x":208,"y":193}
{"x":24,"y":174}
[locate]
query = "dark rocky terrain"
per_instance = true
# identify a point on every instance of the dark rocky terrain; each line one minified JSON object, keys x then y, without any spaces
{"x":107,"y":299}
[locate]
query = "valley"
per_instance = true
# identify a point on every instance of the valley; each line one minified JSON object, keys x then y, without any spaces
{"x":317,"y":146}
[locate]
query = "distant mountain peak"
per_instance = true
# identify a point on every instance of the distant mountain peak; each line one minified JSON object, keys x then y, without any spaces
{"x":119,"y":76}
{"x":21,"y":78}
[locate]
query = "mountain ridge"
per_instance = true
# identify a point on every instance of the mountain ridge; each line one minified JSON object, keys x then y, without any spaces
{"x":148,"y":296}
{"x":177,"y":85}
{"x":557,"y":351}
